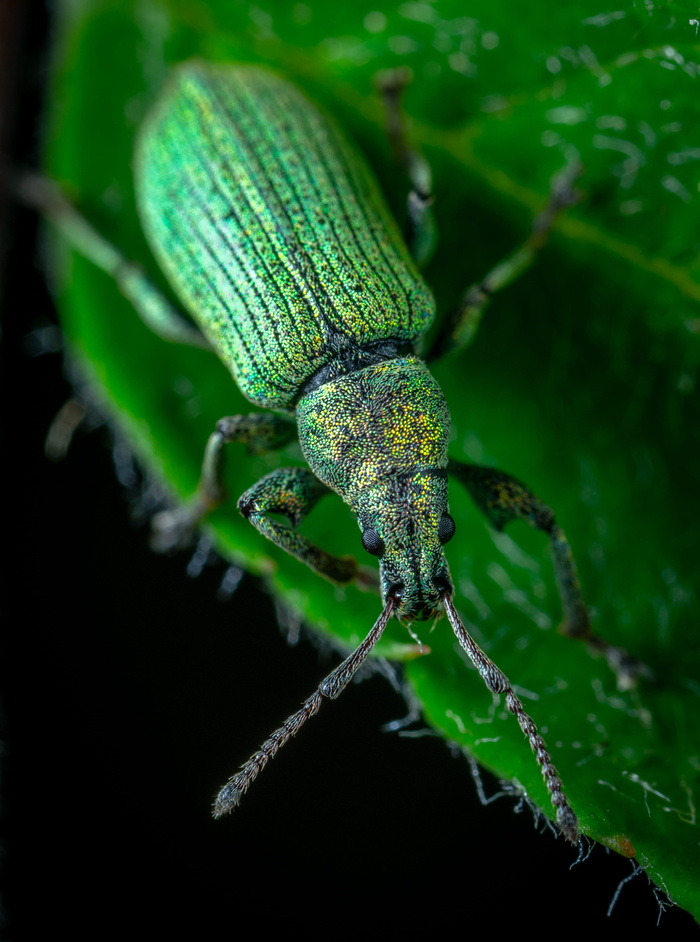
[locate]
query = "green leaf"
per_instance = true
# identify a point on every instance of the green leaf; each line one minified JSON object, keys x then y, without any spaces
{"x":582,"y":380}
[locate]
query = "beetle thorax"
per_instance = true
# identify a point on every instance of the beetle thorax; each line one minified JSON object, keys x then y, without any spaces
{"x":372,"y":425}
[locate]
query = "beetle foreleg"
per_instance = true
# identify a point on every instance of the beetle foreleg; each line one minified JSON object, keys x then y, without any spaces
{"x":293,"y":492}
{"x":502,"y":498}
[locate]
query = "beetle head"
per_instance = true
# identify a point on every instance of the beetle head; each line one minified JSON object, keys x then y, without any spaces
{"x":405,"y":523}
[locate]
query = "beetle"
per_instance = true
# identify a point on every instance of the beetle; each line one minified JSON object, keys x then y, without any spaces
{"x":276,"y":238}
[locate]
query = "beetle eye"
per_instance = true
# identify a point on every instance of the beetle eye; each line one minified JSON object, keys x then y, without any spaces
{"x":446,"y":529}
{"x":372,"y":542}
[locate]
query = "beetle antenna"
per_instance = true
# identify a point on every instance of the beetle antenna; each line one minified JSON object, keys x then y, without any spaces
{"x":497,"y":682}
{"x":230,"y":795}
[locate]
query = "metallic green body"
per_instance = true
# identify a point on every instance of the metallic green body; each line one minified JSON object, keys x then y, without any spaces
{"x":274,"y":234}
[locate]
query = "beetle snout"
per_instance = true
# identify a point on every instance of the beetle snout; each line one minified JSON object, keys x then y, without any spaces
{"x":424,"y":600}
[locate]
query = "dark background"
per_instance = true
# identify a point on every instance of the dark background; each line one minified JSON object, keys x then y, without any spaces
{"x":121,"y":679}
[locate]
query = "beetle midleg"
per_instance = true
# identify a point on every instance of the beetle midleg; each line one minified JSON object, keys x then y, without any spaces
{"x":294,"y":492}
{"x":420,"y":230}
{"x":502,"y":498}
{"x":150,"y":304}
{"x":459,"y":328}
{"x":260,"y":431}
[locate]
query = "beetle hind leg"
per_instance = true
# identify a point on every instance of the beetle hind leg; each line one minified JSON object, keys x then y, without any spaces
{"x":154,"y":309}
{"x":458,"y":329}
{"x":420,"y":231}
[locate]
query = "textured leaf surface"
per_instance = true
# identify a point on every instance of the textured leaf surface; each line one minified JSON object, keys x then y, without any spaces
{"x":582,"y":381}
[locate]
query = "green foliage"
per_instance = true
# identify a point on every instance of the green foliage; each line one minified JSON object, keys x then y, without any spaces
{"x":581,"y":381}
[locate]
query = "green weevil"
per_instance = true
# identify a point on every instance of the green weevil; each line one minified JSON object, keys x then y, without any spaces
{"x":275,"y":236}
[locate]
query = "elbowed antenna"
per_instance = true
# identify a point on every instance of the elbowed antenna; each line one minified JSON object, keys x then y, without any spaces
{"x":497,"y":682}
{"x":230,"y":795}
